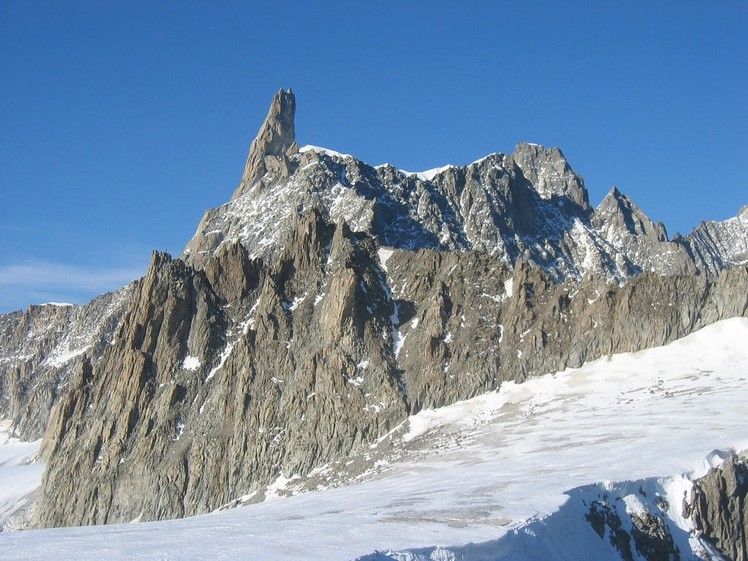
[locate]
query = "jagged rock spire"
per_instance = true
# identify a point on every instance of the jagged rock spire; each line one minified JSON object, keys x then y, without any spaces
{"x":619,"y":211}
{"x":550,"y":174}
{"x":274,"y":142}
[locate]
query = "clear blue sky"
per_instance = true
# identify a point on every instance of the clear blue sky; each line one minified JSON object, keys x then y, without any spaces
{"x":121,"y":122}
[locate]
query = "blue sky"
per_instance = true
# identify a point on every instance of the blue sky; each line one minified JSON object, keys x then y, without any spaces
{"x":121,"y":122}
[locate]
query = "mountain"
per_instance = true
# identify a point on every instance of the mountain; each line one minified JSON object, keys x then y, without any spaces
{"x":41,"y":347}
{"x":326,"y":302}
{"x":607,"y":462}
{"x":717,"y":245}
{"x":529,"y":205}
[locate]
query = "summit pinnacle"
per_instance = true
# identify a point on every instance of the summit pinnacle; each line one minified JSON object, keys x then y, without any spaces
{"x":274,"y":142}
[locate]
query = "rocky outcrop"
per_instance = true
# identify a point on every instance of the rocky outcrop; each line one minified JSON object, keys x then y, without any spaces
{"x":274,"y":143}
{"x":224,"y":379}
{"x":717,"y":245}
{"x":41,"y":347}
{"x":632,"y":233}
{"x":714,"y":512}
{"x":634,"y":535}
{"x":717,"y":508}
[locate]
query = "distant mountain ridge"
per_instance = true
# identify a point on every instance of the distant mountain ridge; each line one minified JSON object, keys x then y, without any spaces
{"x":327,"y":301}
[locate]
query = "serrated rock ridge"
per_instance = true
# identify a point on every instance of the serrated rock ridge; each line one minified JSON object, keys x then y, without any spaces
{"x":529,"y":204}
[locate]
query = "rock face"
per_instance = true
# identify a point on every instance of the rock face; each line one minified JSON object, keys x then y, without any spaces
{"x":717,"y":508}
{"x":550,"y":174}
{"x":716,"y":245}
{"x":323,"y":304}
{"x":225,"y":379}
{"x":634,"y":535}
{"x":274,"y":143}
{"x":42,"y":347}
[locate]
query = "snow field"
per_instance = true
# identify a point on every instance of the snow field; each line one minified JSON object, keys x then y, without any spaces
{"x":488,"y":471}
{"x":19,"y":477}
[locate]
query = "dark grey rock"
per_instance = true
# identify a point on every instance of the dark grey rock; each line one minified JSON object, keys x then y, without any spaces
{"x":717,"y":508}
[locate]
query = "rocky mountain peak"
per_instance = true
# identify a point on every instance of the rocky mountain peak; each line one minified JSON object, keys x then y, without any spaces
{"x":619,"y":212}
{"x":717,"y":245}
{"x":550,"y":173}
{"x":275,"y":141}
{"x":613,"y":200}
{"x":529,"y":204}
{"x":641,"y":243}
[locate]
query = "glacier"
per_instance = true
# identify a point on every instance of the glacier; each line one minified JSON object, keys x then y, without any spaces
{"x":479,"y":479}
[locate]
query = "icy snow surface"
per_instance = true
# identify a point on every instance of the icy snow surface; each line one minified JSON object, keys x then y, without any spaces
{"x":61,"y":355}
{"x":429,"y":174}
{"x":477,"y":470}
{"x":384,"y":255}
{"x":18,"y":476}
{"x":191,"y":363}
{"x":326,"y":151}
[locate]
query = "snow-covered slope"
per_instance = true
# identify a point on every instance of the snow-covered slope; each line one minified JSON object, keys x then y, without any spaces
{"x":488,"y":471}
{"x":19,"y":478}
